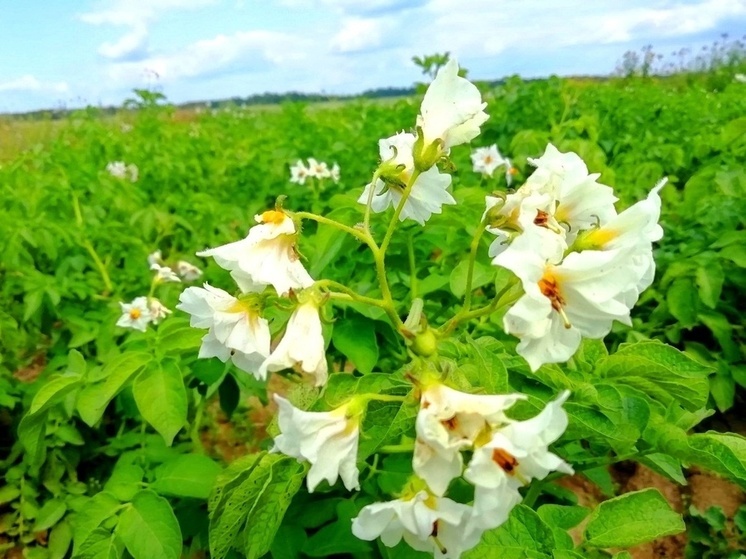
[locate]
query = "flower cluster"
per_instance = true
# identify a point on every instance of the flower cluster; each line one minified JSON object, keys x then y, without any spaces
{"x":315,"y":170}
{"x":505,"y":456}
{"x":451,"y":113}
{"x":236,"y":329}
{"x":147,"y":309}
{"x":582,"y":265}
{"x":120,"y":170}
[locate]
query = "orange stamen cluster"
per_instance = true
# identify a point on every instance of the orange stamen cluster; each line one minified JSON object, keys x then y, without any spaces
{"x":505,"y":460}
{"x":550,"y":289}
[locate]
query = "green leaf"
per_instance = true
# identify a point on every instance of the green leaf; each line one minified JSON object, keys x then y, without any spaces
{"x":101,"y":544}
{"x":723,"y":390}
{"x":682,"y":299}
{"x":724,"y":453}
{"x":710,"y":278}
{"x":524,"y":535}
{"x":149,"y":528}
{"x":8,"y":493}
{"x":736,"y":254}
{"x":97,"y":510}
{"x":31,"y":432}
{"x":187,"y":475}
{"x":483,"y":274}
{"x":76,"y":363}
{"x":161,"y":398}
{"x":673,"y":372}
{"x":125,"y":480}
{"x":355,"y":337}
{"x":175,"y":335}
{"x":50,"y":514}
{"x":60,"y":539}
{"x":248,"y":504}
{"x":491,"y":372}
{"x":632,"y":519}
{"x":94,"y":398}
{"x":288,"y":542}
{"x":665,"y":465}
{"x":54,"y":390}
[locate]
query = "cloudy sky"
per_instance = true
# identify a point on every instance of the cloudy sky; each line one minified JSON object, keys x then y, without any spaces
{"x":76,"y":52}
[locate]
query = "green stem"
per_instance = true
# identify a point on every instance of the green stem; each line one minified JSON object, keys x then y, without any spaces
{"x":383,"y":397}
{"x":533,"y":493}
{"x":353,"y":295}
{"x":473,"y":248}
{"x":462,"y":316}
{"x":358,"y":234}
{"x":398,"y":211}
{"x":412,"y":268}
{"x":396,"y":448}
{"x":196,"y":424}
{"x":100,"y":266}
{"x":369,"y":202}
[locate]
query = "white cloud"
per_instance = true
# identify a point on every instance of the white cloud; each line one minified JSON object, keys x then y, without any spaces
{"x":489,"y":27}
{"x":137,"y":15}
{"x":29,"y":83}
{"x":358,"y":34}
{"x":248,"y":50}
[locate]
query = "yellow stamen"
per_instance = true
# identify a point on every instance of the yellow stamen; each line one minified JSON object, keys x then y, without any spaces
{"x":135,"y":314}
{"x":273,"y":216}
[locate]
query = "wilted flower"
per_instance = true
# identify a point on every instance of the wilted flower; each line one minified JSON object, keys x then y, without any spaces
{"x":428,"y":193}
{"x":188,"y":271}
{"x":135,"y":315}
{"x":427,"y":523}
{"x":298,"y":173}
{"x":486,"y":159}
{"x":451,"y":113}
{"x":328,"y":440}
{"x":302,"y":344}
{"x":448,"y":422}
{"x":335,"y":173}
{"x":158,"y":311}
{"x":236,"y":330}
{"x":164,"y":274}
{"x":318,"y":169}
{"x":267,"y":256}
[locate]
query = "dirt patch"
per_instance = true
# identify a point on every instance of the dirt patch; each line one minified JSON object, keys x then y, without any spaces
{"x":708,"y":490}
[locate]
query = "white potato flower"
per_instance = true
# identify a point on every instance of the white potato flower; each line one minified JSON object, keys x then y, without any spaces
{"x":452,"y":110}
{"x":518,"y":452}
{"x":236,"y":330}
{"x":579,"y":200}
{"x":164,"y":274}
{"x":158,"y":311}
{"x":448,"y":422}
{"x":564,"y":299}
{"x":318,"y":169}
{"x":327,"y":440}
{"x":188,"y":271}
{"x":429,"y":192}
{"x":267,"y":256}
{"x":486,"y":159}
{"x":436,"y":525}
{"x":135,"y":315}
{"x":298,"y":173}
{"x":155,"y":258}
{"x":334,"y":173}
{"x":302,"y":344}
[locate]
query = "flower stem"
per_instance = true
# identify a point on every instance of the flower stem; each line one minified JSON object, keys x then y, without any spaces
{"x":353,"y":295}
{"x":473,"y":248}
{"x":412,"y":268}
{"x":398,"y":211}
{"x":396,"y":448}
{"x":358,"y":234}
{"x":100,"y":266}
{"x":369,"y":203}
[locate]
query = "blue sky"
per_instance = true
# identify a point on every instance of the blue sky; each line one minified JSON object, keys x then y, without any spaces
{"x":77,"y":52}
